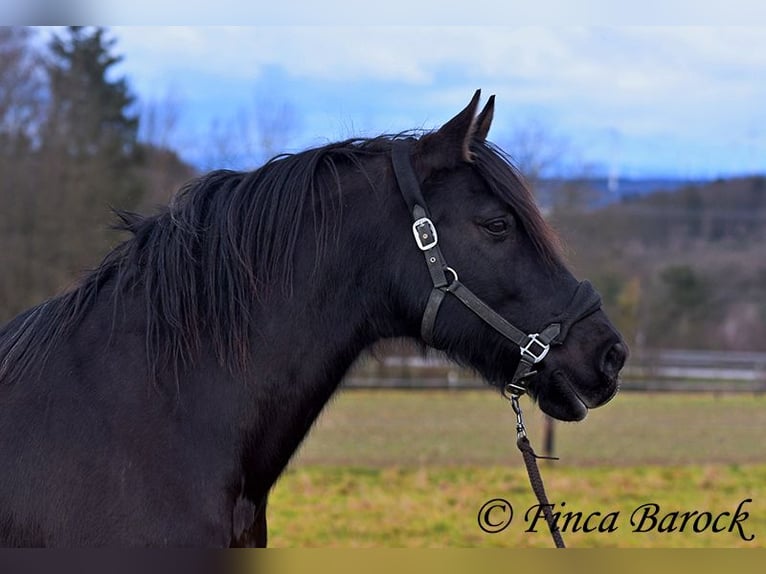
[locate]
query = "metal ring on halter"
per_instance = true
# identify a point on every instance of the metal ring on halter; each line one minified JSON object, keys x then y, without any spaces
{"x":511,"y":390}
{"x":454,"y":274}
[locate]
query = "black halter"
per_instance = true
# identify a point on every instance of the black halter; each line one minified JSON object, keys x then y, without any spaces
{"x":533,"y":347}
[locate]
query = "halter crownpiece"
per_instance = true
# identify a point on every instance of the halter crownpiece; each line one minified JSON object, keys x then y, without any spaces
{"x":533,"y":347}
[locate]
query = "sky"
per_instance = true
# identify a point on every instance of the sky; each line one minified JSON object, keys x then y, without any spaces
{"x":675,"y":100}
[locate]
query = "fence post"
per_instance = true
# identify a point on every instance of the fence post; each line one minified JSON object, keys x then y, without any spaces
{"x":548,"y":436}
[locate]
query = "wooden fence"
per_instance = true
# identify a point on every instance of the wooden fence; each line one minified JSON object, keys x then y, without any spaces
{"x":649,"y":370}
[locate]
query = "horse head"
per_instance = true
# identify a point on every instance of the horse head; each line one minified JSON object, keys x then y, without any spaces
{"x":494,"y":292}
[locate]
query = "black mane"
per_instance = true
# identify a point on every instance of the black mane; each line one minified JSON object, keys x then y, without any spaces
{"x":225,"y":242}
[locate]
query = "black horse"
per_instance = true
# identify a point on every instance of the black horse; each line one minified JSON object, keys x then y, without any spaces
{"x":158,"y":401}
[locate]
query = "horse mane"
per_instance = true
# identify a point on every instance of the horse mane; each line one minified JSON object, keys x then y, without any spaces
{"x":227,"y":240}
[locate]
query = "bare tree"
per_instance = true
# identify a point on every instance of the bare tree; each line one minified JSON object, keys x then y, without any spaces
{"x":20,"y":85}
{"x":159,"y":120}
{"x":248,"y":138}
{"x":275,"y":126}
{"x":164,"y":170}
{"x":21,"y":104}
{"x":537,"y":151}
{"x":552,"y":167}
{"x":227,"y":143}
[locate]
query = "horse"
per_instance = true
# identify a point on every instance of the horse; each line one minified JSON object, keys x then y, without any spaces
{"x":157,"y":402}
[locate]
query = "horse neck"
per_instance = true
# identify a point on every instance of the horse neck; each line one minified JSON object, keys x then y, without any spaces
{"x":342,"y":303}
{"x":306,"y":342}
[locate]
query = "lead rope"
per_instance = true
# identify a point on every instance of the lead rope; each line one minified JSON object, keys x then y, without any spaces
{"x":530,"y":461}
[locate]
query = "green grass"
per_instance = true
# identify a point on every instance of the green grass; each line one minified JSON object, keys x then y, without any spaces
{"x":412,"y":468}
{"x":444,"y":428}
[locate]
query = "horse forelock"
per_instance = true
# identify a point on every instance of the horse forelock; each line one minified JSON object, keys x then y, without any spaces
{"x":506,"y":182}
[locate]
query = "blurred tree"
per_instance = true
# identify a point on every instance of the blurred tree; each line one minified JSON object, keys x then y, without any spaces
{"x":627,"y":316}
{"x":573,"y":194}
{"x":680,"y":311}
{"x":163,"y":169}
{"x":22,"y":91}
{"x":249,"y":137}
{"x":685,"y":288}
{"x":275,"y":125}
{"x":536,"y":151}
{"x":758,"y":191}
{"x":693,"y":210}
{"x":560,"y":179}
{"x":81,"y":156}
{"x":90,"y":122}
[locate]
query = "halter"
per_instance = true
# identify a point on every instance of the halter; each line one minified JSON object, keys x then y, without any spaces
{"x":533,"y":347}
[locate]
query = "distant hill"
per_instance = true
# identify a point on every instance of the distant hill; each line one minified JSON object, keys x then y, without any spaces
{"x":684,"y":267}
{"x":606,"y":190}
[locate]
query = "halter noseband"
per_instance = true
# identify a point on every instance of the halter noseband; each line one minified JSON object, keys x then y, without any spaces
{"x":533,"y":347}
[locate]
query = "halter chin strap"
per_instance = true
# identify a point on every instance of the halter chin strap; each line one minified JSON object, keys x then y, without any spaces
{"x":534,"y":346}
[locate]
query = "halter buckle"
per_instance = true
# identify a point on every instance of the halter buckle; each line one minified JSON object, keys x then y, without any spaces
{"x":425,"y":233}
{"x":533,"y":353}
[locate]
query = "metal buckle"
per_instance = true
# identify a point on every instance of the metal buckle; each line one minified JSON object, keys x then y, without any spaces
{"x":534,"y":340}
{"x":425,"y":233}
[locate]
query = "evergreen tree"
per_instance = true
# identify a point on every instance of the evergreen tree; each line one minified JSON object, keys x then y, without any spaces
{"x":89,"y":159}
{"x":89,"y":110}
{"x":91,"y":127}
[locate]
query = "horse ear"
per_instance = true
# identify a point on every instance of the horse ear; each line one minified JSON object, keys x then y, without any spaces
{"x":450,"y":144}
{"x":484,"y":121}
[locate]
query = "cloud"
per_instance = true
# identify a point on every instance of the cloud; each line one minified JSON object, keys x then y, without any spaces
{"x":648,"y":61}
{"x":640,"y":82}
{"x":427,"y":12}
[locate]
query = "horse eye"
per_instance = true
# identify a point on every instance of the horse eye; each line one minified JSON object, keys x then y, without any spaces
{"x":497,"y":226}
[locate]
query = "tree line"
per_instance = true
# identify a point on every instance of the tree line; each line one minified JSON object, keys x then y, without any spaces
{"x":76,"y":141}
{"x":69,"y":150}
{"x":681,"y":269}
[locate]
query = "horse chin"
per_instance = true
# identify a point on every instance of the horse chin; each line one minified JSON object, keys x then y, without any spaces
{"x":559,"y":398}
{"x":569,"y":409}
{"x":558,"y":392}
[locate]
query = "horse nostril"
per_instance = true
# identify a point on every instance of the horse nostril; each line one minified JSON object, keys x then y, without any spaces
{"x":613,"y":360}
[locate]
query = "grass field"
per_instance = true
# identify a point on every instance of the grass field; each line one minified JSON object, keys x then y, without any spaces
{"x":412,"y":468}
{"x":445,"y":428}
